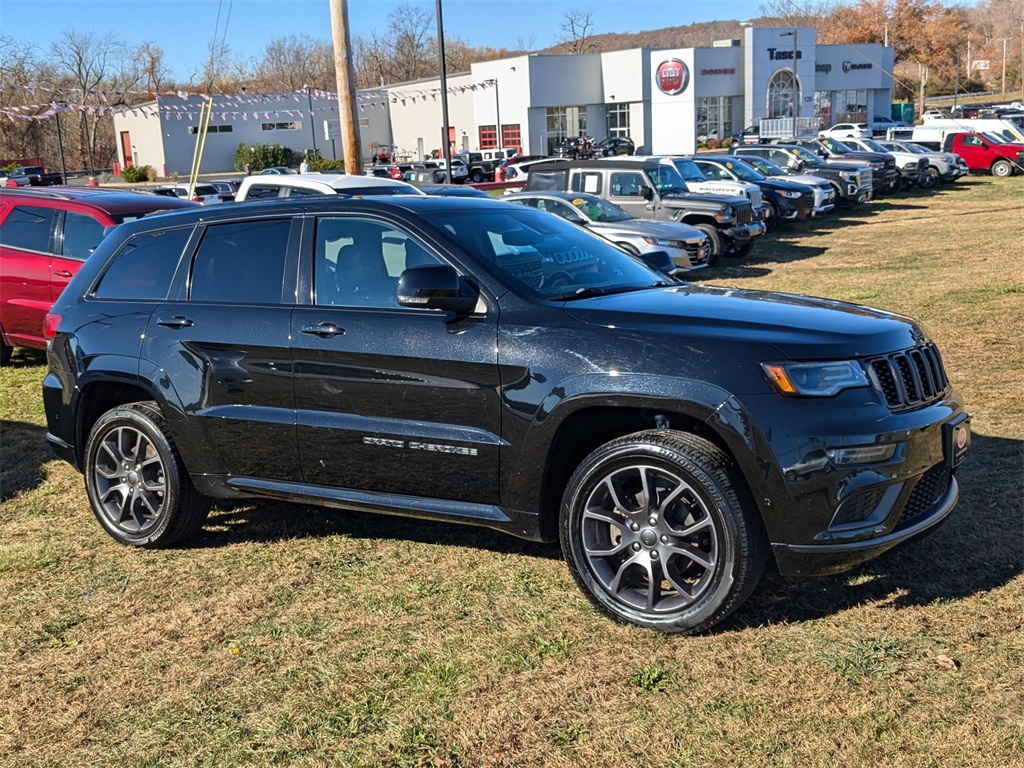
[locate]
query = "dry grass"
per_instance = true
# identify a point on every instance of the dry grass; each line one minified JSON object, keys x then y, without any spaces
{"x":302,"y":636}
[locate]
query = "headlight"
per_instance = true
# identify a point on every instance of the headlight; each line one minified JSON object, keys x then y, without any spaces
{"x":665,"y":243}
{"x":912,"y":166}
{"x":788,"y":193}
{"x":820,"y":379}
{"x":848,"y":175}
{"x":726,"y":213}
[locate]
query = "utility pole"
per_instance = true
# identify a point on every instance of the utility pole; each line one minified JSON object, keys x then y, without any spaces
{"x":446,"y":130}
{"x":346,"y":80}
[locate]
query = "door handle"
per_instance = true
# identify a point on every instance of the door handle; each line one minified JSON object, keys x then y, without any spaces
{"x":323,"y":330}
{"x":175,"y":322}
{"x":62,"y":273}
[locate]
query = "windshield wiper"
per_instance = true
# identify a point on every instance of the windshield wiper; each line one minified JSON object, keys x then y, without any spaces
{"x":590,"y":291}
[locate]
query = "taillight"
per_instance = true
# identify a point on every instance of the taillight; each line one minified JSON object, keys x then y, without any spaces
{"x":197,"y":199}
{"x":50,"y":325}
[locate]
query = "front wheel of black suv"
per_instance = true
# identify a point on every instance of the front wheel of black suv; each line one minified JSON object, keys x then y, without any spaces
{"x":137,"y":485}
{"x":657,"y":532}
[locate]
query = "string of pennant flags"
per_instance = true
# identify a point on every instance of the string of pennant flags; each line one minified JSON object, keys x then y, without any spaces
{"x":231,"y":107}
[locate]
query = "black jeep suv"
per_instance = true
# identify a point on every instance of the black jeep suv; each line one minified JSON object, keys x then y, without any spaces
{"x":470,"y":361}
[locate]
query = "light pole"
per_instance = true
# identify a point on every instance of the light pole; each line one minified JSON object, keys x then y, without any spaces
{"x":312,"y":122}
{"x":795,"y":107}
{"x":446,"y":140}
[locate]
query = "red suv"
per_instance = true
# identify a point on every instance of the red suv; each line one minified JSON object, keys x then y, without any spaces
{"x":45,"y":236}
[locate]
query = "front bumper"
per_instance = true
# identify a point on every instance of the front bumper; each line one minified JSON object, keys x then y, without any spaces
{"x":825,"y":516}
{"x":744,"y":232}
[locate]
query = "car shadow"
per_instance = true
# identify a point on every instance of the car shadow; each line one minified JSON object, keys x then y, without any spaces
{"x":977,"y":549}
{"x":257,"y":520}
{"x":23,"y":452}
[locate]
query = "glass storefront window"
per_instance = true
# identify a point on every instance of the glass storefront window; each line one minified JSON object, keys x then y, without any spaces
{"x":783,"y":91}
{"x":563,"y":122}
{"x":618,"y":120}
{"x":714,"y":117}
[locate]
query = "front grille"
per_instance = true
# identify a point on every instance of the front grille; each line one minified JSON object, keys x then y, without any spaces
{"x":807,"y":199}
{"x":698,"y":252}
{"x":864,"y":178}
{"x":911,"y":378}
{"x":928,"y":491}
{"x":744,"y":213}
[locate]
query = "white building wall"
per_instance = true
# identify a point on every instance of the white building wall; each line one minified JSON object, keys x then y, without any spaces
{"x":417,"y":119}
{"x":623,"y":80}
{"x":146,"y":133}
{"x":765,"y":52}
{"x":673,"y":116}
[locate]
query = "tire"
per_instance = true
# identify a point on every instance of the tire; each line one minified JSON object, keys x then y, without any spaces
{"x":137,"y":484}
{"x":931,"y":179}
{"x":773,"y":221}
{"x":742,"y":251}
{"x":477,"y":177}
{"x":715,"y":241}
{"x":701,"y":541}
{"x":5,"y":353}
{"x":1002,"y":169}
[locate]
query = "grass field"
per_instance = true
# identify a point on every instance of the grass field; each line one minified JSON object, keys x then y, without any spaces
{"x":287,"y":635}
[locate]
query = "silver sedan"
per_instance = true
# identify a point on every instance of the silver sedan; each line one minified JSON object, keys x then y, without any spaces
{"x":686,"y":245}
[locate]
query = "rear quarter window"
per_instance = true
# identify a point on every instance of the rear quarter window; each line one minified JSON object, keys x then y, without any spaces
{"x":144,"y":267}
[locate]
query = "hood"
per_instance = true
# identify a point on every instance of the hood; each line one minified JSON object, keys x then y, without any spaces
{"x":717,"y":198}
{"x":669,"y":230}
{"x":871,"y":157}
{"x":797,"y":327}
{"x":809,"y":180}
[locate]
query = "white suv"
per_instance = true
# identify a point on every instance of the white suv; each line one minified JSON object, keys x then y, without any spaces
{"x":204,"y":194}
{"x":263,"y":187}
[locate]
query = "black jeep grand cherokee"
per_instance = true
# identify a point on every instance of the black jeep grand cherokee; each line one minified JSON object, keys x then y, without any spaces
{"x":470,"y":361}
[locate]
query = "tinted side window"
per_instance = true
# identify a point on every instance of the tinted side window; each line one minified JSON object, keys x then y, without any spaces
{"x":82,"y":233}
{"x":626,"y":184}
{"x":28,"y":227}
{"x":586,"y":182}
{"x":358,"y":262}
{"x":241,"y":263}
{"x":257,"y":191}
{"x":144,"y":267}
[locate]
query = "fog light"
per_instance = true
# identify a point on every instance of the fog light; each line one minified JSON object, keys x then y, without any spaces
{"x":861,"y":455}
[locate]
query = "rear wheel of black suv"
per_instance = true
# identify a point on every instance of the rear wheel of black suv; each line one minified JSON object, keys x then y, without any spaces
{"x":657,"y":533}
{"x":138,"y":487}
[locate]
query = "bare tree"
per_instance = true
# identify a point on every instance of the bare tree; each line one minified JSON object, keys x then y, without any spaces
{"x":577,"y":27}
{"x":149,"y":60}
{"x":101,"y":70}
{"x":526,"y":42}
{"x":19,"y":138}
{"x":799,"y":13}
{"x":294,"y":62}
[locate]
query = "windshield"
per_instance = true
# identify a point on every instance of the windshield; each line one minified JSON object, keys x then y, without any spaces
{"x":596,"y":209}
{"x":907,"y":148}
{"x":873,"y":145}
{"x":837,"y":146}
{"x":743,"y":171}
{"x":688,"y":169}
{"x":666,"y":179}
{"x":544,"y":256}
{"x":765,"y":167}
{"x":995,"y":138}
{"x":806,"y":156}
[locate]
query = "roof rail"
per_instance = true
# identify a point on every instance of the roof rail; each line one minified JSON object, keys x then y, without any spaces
{"x":40,"y":192}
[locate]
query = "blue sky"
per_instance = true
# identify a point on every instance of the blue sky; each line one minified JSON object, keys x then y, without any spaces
{"x":182,"y":28}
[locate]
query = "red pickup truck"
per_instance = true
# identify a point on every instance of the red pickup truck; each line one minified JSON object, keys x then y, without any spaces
{"x":983,"y":154}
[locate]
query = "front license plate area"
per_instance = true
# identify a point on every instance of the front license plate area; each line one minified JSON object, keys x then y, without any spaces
{"x":956,"y":441}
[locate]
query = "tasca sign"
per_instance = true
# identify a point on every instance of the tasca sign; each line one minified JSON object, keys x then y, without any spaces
{"x":672,"y":76}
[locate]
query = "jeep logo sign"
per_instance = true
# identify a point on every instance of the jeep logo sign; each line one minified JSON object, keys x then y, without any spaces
{"x":672,"y":76}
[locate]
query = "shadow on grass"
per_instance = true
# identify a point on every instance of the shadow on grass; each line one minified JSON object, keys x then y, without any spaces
{"x":977,"y":549}
{"x":256,"y":520}
{"x":23,"y":451}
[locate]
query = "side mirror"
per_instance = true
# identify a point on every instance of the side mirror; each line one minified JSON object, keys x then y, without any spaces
{"x":646,"y":193}
{"x":659,"y":261}
{"x":437,"y":286}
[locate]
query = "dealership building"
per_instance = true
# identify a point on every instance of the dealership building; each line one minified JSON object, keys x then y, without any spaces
{"x":665,"y":100}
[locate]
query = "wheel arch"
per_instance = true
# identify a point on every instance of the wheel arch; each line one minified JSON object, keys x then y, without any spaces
{"x":579,"y":424}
